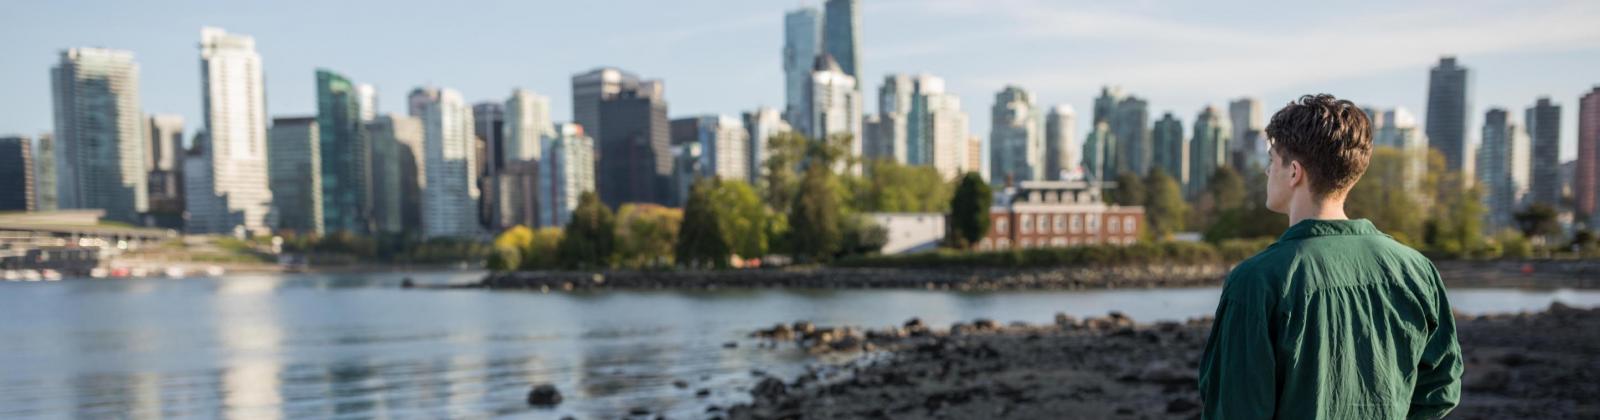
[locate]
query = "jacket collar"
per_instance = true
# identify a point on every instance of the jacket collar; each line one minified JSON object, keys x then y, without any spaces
{"x":1311,"y":228}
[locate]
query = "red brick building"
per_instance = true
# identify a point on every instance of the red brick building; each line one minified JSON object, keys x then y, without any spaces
{"x":1056,"y":214}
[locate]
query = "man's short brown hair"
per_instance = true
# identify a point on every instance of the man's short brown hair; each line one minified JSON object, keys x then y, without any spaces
{"x":1330,"y":137}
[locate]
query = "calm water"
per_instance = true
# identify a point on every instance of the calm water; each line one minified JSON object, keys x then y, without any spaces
{"x":266,"y":346}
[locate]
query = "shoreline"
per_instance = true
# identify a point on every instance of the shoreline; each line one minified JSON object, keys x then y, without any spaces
{"x":1525,"y":365}
{"x":1581,"y":274}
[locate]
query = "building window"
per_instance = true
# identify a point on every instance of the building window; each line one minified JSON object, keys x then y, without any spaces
{"x":1129,"y":225}
{"x":1093,"y":222}
{"x":1027,"y":223}
{"x":1024,"y":243}
{"x":1077,"y":223}
{"x":1000,"y":226}
{"x":1061,"y":223}
{"x":1058,"y":241}
{"x":1002,"y":243}
{"x":1114,"y":225}
{"x":983,"y":244}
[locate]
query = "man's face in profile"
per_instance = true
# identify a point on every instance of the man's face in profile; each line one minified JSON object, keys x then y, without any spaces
{"x":1280,"y":185}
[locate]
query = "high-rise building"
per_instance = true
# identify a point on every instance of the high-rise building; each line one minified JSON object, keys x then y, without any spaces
{"x":1171,"y":152}
{"x":568,"y":170}
{"x":723,"y":141}
{"x":1249,"y":146}
{"x":1099,"y":151}
{"x":16,"y":174}
{"x":397,"y":164}
{"x":1543,"y":120}
{"x":802,"y":43}
{"x":1208,"y":148}
{"x":295,"y":175}
{"x":839,"y":35}
{"x":686,"y":162}
{"x":164,"y":170}
{"x":100,"y":146}
{"x":946,"y":136}
{"x":835,"y":104}
{"x":234,"y":103}
{"x":1128,"y":118}
{"x":344,"y":154}
{"x":1449,"y":107}
{"x":367,"y":102}
{"x":591,"y":88}
{"x":763,"y":124}
{"x":895,"y":106}
{"x":1017,"y":144}
{"x":1503,"y":170}
{"x":1397,"y":128}
{"x":44,"y":173}
{"x":527,"y":126}
{"x":1586,"y":172}
{"x":975,"y":159}
{"x":450,"y":166}
{"x":1058,"y":130}
{"x":488,"y":135}
{"x":635,"y":158}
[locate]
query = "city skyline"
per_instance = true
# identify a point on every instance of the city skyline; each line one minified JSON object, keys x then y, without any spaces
{"x":1061,"y":53}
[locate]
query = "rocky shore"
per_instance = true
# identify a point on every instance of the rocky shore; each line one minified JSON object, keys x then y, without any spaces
{"x":1573,"y":274}
{"x":1540,"y":365}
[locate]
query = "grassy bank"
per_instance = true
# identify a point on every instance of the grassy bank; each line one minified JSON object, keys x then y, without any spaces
{"x":1226,"y":252}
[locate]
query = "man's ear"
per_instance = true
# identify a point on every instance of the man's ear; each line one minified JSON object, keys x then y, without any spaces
{"x":1297,"y":173}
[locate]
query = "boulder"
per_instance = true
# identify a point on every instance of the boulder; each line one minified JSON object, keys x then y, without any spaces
{"x":544,"y":395}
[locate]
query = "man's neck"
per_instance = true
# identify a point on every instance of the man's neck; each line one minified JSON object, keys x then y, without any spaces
{"x":1304,"y":207}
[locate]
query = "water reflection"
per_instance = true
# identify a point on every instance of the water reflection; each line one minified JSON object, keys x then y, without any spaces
{"x":314,"y":346}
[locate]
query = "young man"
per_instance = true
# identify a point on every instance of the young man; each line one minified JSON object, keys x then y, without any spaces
{"x":1335,"y":320}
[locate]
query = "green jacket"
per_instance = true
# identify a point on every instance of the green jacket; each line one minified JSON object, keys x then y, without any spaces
{"x":1335,"y":320}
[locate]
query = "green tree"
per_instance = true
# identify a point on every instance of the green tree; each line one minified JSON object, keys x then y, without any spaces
{"x":969,"y":211}
{"x":646,"y":234}
{"x":742,"y":217}
{"x":1458,"y":220}
{"x":1538,"y":221}
{"x":1227,"y":189}
{"x":701,"y":241}
{"x":542,"y":251}
{"x":1130,"y":190}
{"x":1390,"y":195}
{"x":1164,"y":208}
{"x":781,"y":171}
{"x":893,"y":187}
{"x":814,"y":219}
{"x":507,"y":248}
{"x":590,"y":236}
{"x":862,"y":236}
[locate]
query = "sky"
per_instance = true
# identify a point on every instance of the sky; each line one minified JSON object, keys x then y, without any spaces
{"x":724,"y":57}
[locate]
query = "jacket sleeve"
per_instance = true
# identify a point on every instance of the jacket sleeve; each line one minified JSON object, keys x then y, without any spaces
{"x":1439,"y":372}
{"x":1238,"y":371}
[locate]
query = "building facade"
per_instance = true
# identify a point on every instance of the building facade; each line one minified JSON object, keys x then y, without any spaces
{"x":567,"y":172}
{"x":1015,"y":137}
{"x":1100,"y":152}
{"x":344,"y":154}
{"x":1586,"y":170}
{"x":1059,"y":126}
{"x":295,"y":175}
{"x":100,"y":145}
{"x":635,"y":160}
{"x":1449,"y":108}
{"x":16,"y":174}
{"x":1171,"y":151}
{"x":44,"y":173}
{"x":1249,"y":145}
{"x":802,"y":43}
{"x":1039,"y":214}
{"x":1208,"y":149}
{"x":840,"y":29}
{"x":450,"y":167}
{"x":1543,"y":121}
{"x":397,"y":161}
{"x":234,"y":103}
{"x":1503,"y":170}
{"x":835,"y":103}
{"x":762,"y":124}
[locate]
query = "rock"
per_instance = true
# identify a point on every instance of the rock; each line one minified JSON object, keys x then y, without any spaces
{"x":804,"y":327}
{"x":1486,"y":379}
{"x":1165,"y":372}
{"x":639,"y":411}
{"x":702,"y":393}
{"x":1065,"y":321}
{"x":407,"y":283}
{"x":984,"y":324}
{"x":544,"y":395}
{"x":769,"y":388}
{"x":680,"y":384}
{"x":1180,"y":405}
{"x":730,"y":345}
{"x":914,"y":323}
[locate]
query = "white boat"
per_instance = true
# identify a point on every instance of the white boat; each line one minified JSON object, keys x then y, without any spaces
{"x":98,"y":273}
{"x":176,"y":272}
{"x":31,"y":275}
{"x":139,"y":272}
{"x":214,"y":271}
{"x":12,"y":275}
{"x":51,"y":275}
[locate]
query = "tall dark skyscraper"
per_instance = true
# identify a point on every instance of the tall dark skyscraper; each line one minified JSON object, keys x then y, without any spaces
{"x":840,"y":26}
{"x":592,"y":87}
{"x":1449,"y":107}
{"x":16,"y":174}
{"x":635,"y":162}
{"x":1171,"y":152}
{"x":488,"y":126}
{"x":1543,"y":120}
{"x":345,"y":155}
